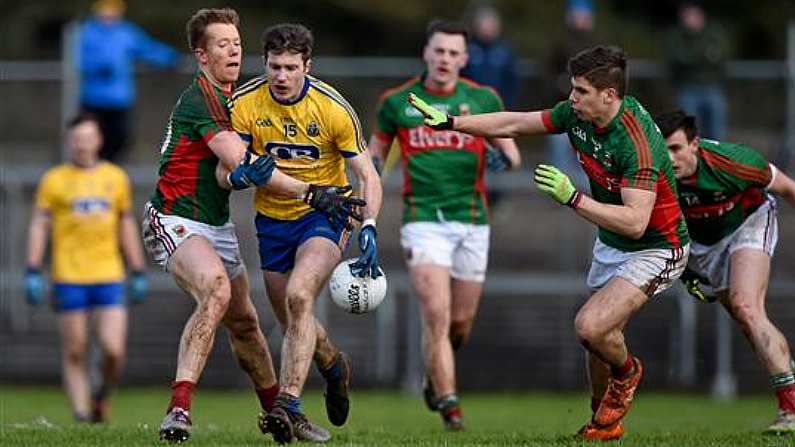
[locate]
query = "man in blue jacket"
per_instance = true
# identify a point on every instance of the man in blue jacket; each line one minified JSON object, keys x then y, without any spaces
{"x":108,"y":47}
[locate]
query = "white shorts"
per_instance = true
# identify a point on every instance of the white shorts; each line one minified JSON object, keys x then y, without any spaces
{"x":461,"y":247}
{"x":759,"y":231}
{"x":163,"y":233}
{"x":651,"y":271}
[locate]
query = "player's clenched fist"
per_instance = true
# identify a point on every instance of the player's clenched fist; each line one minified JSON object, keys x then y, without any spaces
{"x":433,"y":118}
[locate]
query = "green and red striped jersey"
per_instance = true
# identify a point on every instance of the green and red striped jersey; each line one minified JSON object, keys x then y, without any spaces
{"x":442,"y":169}
{"x":728,"y":185}
{"x":187,"y":186}
{"x":629,"y":152}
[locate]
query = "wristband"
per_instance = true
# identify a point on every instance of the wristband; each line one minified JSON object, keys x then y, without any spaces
{"x":574,"y":201}
{"x":367,"y":222}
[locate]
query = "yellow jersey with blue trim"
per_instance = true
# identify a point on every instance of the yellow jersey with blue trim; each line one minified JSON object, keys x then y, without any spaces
{"x":85,"y":206}
{"x":309,"y":137}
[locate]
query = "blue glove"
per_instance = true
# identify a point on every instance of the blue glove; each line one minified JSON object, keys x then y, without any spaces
{"x":367,"y":264}
{"x":248,"y":174}
{"x":496,"y":160}
{"x":137,"y":287}
{"x":34,"y":286}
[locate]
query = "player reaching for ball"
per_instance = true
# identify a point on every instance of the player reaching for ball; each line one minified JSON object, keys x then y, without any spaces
{"x":311,"y":131}
{"x":187,"y":229}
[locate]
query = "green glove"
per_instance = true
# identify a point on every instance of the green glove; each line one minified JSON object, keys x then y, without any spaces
{"x":433,"y":118}
{"x":692,"y":282}
{"x":557,"y":185}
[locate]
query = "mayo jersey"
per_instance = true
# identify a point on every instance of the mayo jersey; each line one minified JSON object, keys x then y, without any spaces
{"x":85,"y":206}
{"x":442,"y":169}
{"x":629,"y":152}
{"x":729,"y":184}
{"x":187,"y":186}
{"x":308,"y":138}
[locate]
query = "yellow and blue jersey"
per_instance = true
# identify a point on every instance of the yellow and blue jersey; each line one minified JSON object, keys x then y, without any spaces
{"x":308,"y":137}
{"x":85,"y":206}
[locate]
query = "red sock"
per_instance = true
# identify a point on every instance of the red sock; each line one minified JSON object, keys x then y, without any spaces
{"x":624,"y":370}
{"x":181,"y":394}
{"x":786,"y":398}
{"x":595,"y":402}
{"x":267,"y":396}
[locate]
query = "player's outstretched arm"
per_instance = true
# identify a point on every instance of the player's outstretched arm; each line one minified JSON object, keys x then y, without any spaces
{"x":783,"y":186}
{"x":496,"y":125}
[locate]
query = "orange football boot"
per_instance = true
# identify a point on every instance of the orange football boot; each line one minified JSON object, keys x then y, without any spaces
{"x":591,"y":432}
{"x":618,"y":398}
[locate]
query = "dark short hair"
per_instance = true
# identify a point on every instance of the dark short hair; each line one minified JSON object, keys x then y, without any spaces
{"x":603,"y":66}
{"x":203,"y":18}
{"x":292,"y":37}
{"x":80,"y":118}
{"x":674,"y":120}
{"x":445,"y":27}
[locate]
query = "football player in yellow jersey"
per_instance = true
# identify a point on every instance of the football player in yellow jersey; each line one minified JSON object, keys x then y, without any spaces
{"x":85,"y":204}
{"x":311,"y":131}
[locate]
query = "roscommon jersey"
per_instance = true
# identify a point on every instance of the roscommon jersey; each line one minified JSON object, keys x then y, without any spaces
{"x":85,"y":206}
{"x":308,"y":137}
{"x":728,"y":185}
{"x":442,"y":169}
{"x":187,"y":186}
{"x":629,"y":152}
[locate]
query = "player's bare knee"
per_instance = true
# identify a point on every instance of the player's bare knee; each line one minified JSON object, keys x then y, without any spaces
{"x":218,"y":293}
{"x":588,"y":329}
{"x":75,"y":355}
{"x":436,"y":327}
{"x":743,"y":312}
{"x":114,"y":359}
{"x":299,"y":303}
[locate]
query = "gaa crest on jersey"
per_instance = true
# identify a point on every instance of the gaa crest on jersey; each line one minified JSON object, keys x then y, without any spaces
{"x":312,"y":129}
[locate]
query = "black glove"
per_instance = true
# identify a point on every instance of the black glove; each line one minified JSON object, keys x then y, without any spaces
{"x":332,"y":201}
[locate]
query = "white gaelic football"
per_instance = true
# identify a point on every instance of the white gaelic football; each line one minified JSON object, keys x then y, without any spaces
{"x":353,"y":294}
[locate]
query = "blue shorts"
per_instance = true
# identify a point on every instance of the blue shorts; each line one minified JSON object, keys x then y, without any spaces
{"x":280,"y":239}
{"x":71,"y":297}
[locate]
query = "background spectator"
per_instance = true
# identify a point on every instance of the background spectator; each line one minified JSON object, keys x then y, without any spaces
{"x":108,"y":48}
{"x":697,"y":51}
{"x":491,"y":60}
{"x":579,"y":21}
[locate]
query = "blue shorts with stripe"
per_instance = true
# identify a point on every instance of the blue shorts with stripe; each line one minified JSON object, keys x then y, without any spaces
{"x":279,"y":239}
{"x":71,"y":297}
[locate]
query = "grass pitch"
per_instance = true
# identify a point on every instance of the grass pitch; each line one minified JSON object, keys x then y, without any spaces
{"x":40,"y":417}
